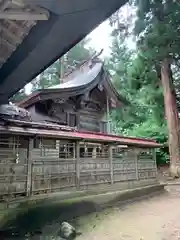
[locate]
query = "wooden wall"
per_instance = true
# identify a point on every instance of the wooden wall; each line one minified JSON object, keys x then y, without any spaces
{"x":38,"y":116}
{"x":49,"y":165}
{"x":89,"y":121}
{"x":89,"y":115}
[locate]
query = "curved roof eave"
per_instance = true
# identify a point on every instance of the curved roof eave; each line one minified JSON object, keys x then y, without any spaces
{"x":79,"y":84}
{"x":81,"y":80}
{"x":76,"y":86}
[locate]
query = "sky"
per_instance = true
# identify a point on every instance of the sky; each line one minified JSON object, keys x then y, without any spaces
{"x":101,"y":39}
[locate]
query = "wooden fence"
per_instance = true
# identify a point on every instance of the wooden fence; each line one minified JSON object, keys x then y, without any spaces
{"x":32,"y":166}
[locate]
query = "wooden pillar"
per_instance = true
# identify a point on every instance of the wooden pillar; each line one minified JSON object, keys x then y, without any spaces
{"x":78,"y":120}
{"x":77,"y":164}
{"x":136,"y":164}
{"x":155,"y":163}
{"x":111,"y":164}
{"x":102,"y":150}
{"x":61,"y":75}
{"x":94,"y":152}
{"x":107,"y":114}
{"x":74,"y":151}
{"x":29,"y":168}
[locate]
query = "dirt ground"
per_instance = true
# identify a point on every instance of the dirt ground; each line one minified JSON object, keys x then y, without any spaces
{"x":156,"y":218}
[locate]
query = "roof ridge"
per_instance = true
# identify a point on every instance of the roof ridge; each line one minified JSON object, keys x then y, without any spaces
{"x":91,"y":58}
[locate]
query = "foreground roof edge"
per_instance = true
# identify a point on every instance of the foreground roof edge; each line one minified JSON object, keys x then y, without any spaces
{"x":49,"y":40}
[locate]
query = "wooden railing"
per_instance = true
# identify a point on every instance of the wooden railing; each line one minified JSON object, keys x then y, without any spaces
{"x":47,"y":167}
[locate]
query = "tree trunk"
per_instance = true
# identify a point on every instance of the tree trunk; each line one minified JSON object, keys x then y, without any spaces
{"x":172,"y":118}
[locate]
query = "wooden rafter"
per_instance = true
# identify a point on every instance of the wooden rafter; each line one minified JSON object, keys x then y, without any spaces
{"x":10,"y":35}
{"x":12,"y":47}
{"x":21,"y":15}
{"x":16,"y":20}
{"x":4,"y":4}
{"x":19,"y":3}
{"x":22,"y":28}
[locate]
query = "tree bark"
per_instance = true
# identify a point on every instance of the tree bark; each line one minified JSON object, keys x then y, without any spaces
{"x":172,"y":117}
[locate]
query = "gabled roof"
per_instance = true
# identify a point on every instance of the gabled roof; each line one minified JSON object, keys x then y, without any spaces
{"x":86,"y":77}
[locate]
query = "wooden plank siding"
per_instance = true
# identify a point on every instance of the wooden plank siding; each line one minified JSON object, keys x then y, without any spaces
{"x":56,"y":165}
{"x":83,"y":114}
{"x":88,"y":122}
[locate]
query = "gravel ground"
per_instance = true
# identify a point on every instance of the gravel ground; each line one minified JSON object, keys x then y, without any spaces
{"x":156,"y":218}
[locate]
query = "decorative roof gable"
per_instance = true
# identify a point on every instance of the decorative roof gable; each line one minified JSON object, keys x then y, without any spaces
{"x":87,"y":76}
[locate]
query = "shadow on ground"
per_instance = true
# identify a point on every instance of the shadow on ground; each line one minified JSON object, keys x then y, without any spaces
{"x":33,"y":219}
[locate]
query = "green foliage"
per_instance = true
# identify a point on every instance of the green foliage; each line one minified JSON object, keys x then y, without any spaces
{"x":158,"y":33}
{"x":136,"y":80}
{"x":157,"y":28}
{"x":136,"y":76}
{"x":151,"y":129}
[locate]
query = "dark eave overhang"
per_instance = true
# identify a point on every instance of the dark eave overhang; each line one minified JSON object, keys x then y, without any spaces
{"x":69,"y":22}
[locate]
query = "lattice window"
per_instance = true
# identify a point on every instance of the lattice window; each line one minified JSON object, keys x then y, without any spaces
{"x":67,"y":150}
{"x":86,"y":151}
{"x":9,"y":148}
{"x":92,"y":150}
